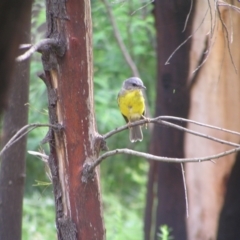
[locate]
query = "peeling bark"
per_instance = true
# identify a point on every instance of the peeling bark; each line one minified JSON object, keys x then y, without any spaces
{"x":215,"y":98}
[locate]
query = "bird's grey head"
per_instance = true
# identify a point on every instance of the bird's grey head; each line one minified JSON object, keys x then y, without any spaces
{"x":133,"y":83}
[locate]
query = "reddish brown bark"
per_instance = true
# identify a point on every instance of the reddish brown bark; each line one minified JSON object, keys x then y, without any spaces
{"x":70,"y":85}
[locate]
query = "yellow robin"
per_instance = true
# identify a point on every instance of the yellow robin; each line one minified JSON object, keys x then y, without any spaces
{"x":132,"y":105}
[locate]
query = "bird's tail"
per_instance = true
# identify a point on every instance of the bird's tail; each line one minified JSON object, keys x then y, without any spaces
{"x":135,"y":134}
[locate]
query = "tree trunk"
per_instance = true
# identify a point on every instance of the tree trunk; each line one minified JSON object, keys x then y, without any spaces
{"x":12,"y":14}
{"x":12,"y":171}
{"x":229,"y":221}
{"x":172,"y":99}
{"x":215,"y":98}
{"x":69,"y":78}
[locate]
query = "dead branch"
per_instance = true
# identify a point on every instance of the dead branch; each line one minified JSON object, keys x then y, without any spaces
{"x":35,"y":48}
{"x":200,"y":124}
{"x":225,"y":4}
{"x":157,"y":158}
{"x":25,"y":45}
{"x":142,"y":7}
{"x":88,"y":168}
{"x":189,"y":37}
{"x":158,"y":120}
{"x":185,"y":189}
{"x":228,"y":39}
{"x":187,"y":18}
{"x":22,"y":132}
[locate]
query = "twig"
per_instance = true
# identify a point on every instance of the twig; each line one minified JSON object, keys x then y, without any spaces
{"x":157,"y":158}
{"x":35,"y":48}
{"x":211,"y":17}
{"x":22,"y":132}
{"x":224,"y":4}
{"x":142,"y":7}
{"x":228,"y":40}
{"x":43,"y":156}
{"x":185,"y":189}
{"x":190,"y":36}
{"x":231,"y":21}
{"x":158,"y":120}
{"x":204,"y":60}
{"x":199,"y":134}
{"x":26,"y":45}
{"x":200,"y":124}
{"x":121,"y":44}
{"x":190,"y":10}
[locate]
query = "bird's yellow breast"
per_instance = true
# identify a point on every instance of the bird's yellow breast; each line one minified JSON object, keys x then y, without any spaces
{"x":131,"y":104}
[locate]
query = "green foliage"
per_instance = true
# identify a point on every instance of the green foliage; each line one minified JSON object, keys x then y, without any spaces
{"x":122,"y":223}
{"x":38,"y":113}
{"x":38,"y":20}
{"x":38,"y":218}
{"x":165,"y":233}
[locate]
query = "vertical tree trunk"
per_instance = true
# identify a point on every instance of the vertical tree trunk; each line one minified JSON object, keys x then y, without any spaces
{"x":172,"y":99}
{"x":12,"y":14}
{"x":69,"y":79}
{"x":229,"y":221}
{"x":12,"y":171}
{"x":215,"y":98}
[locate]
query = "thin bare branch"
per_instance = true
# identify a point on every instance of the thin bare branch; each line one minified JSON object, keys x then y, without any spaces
{"x":231,"y":25}
{"x":142,"y":7}
{"x":26,"y":45}
{"x":228,"y":40}
{"x":158,"y":158}
{"x":88,"y":168}
{"x":225,"y":4}
{"x":190,"y":10}
{"x":159,"y":120}
{"x":200,"y":124}
{"x":35,"y":48}
{"x":185,"y":189}
{"x":207,"y":53}
{"x":198,"y":134}
{"x":211,"y":17}
{"x":43,"y":156}
{"x":120,"y":42}
{"x":211,"y":41}
{"x":190,"y":36}
{"x":22,"y":132}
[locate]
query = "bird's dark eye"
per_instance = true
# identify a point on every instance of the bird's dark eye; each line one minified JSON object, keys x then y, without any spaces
{"x":134,"y":84}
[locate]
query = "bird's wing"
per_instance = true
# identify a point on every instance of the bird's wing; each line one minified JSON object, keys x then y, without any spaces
{"x":126,"y":119}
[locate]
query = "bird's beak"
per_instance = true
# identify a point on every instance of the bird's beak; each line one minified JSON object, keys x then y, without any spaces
{"x":143,"y":87}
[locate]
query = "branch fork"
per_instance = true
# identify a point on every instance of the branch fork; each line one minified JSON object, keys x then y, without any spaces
{"x":88,"y":168}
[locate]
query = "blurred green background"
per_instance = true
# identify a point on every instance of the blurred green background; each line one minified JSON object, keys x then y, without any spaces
{"x":123,"y":178}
